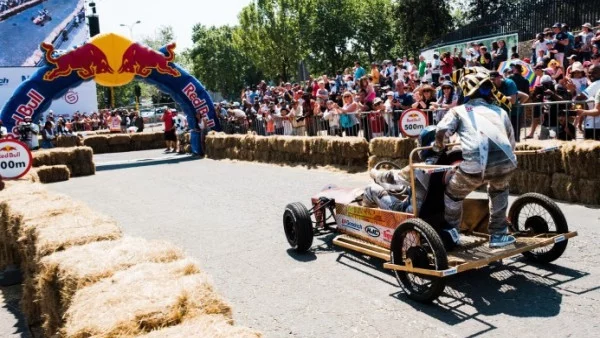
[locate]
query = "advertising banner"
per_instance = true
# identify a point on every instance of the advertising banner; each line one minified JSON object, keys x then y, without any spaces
{"x":512,"y":40}
{"x":81,"y":98}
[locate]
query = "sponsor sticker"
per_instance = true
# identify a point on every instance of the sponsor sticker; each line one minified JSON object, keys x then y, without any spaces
{"x":372,"y":231}
{"x":351,"y":225}
{"x":412,"y":121}
{"x":15,"y":159}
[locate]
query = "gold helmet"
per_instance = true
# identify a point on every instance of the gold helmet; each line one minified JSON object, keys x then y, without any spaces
{"x":471,"y":79}
{"x":472,"y":82}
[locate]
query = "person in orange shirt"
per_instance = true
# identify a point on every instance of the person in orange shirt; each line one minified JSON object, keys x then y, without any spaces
{"x":375,"y":73}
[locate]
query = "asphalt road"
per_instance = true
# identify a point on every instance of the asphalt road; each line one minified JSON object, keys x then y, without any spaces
{"x":22,"y":37}
{"x":227,"y":215}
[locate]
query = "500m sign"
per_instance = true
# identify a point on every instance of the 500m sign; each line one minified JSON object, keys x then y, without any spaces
{"x":15,"y":159}
{"x":412,"y":122}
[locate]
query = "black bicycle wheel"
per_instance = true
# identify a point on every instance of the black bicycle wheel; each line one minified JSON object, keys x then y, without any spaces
{"x":298,"y":227}
{"x":417,"y":240}
{"x":538,"y":214}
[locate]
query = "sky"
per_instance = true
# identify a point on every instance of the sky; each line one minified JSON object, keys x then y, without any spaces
{"x":182,"y":15}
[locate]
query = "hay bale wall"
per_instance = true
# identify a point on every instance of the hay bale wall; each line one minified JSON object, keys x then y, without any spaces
{"x":106,"y":143}
{"x":349,"y":153}
{"x":81,"y":278}
{"x":79,"y":160}
{"x":54,"y":173}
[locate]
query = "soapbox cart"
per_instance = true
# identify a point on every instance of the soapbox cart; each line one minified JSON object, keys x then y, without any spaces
{"x":410,"y":245}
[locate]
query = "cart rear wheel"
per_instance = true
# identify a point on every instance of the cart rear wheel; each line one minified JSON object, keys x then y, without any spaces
{"x":538,"y":214}
{"x":417,"y":240}
{"x":298,"y":227}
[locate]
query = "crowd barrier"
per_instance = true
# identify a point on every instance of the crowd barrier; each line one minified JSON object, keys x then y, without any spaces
{"x":83,"y":278}
{"x":544,"y":116}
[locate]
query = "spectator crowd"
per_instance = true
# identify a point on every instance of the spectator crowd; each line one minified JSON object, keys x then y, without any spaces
{"x":5,"y":5}
{"x":368,"y":101}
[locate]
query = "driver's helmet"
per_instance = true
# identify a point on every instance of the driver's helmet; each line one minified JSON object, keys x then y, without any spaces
{"x":472,"y":83}
{"x":426,"y":139}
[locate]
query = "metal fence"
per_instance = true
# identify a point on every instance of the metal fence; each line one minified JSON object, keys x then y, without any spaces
{"x":541,"y":120}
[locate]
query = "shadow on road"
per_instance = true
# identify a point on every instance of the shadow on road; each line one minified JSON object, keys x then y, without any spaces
{"x":11,"y":296}
{"x":516,"y":289}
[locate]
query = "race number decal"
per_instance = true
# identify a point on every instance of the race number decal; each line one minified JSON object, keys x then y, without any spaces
{"x":15,"y":159}
{"x":412,"y":121}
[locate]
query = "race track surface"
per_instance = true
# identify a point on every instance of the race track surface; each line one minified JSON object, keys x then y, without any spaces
{"x":21,"y":37}
{"x":228,"y":215}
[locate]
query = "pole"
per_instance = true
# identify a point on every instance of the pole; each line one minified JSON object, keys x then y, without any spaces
{"x":112,"y":97}
{"x":137,"y":104}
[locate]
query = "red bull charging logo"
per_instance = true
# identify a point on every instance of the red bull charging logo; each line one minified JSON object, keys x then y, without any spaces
{"x":111,"y":60}
{"x":15,"y":159}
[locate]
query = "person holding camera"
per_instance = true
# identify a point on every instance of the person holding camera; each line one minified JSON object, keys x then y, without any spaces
{"x":28,"y":133}
{"x":546,"y":92}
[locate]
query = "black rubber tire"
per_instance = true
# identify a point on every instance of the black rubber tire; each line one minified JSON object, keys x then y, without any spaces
{"x":557,"y":216}
{"x":298,"y":227}
{"x":437,"y":248}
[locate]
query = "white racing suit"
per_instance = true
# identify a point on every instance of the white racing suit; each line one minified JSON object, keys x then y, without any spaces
{"x":487,"y":142}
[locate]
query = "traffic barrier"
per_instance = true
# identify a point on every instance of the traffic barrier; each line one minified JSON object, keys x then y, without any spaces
{"x":63,"y":273}
{"x":79,"y":160}
{"x":53,"y":173}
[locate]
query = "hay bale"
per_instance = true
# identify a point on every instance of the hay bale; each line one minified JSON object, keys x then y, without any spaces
{"x":293,"y":144}
{"x":209,"y":326}
{"x":119,"y":143}
{"x":523,"y":181}
{"x":78,"y":159}
{"x":66,"y":141}
{"x":582,"y":159}
{"x":63,"y":273}
{"x":354,"y":147}
{"x":143,"y":298}
{"x":548,"y":163}
{"x":392,"y":147}
{"x":83,"y":163}
{"x":55,"y":173}
{"x":565,"y":188}
{"x":589,"y":192}
{"x":98,"y":143}
{"x":142,"y":141}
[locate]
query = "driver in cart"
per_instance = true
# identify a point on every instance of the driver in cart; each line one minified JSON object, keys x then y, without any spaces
{"x":487,"y":142}
{"x":391,"y":190}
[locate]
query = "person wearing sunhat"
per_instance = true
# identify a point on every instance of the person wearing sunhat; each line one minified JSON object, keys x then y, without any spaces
{"x":586,"y":39}
{"x":487,"y":142}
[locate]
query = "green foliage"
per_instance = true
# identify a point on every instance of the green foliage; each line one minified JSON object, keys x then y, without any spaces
{"x":420,"y":22}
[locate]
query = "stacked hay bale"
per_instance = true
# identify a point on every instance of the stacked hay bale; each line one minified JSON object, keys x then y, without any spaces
{"x":535,"y":171}
{"x":67,"y":141}
{"x":37,"y":223}
{"x":99,"y":143}
{"x":581,"y":179}
{"x":82,"y":278}
{"x":119,"y":143}
{"x":63,"y":273}
{"x":106,"y":143}
{"x":349,"y":152}
{"x":396,"y":150}
{"x":79,"y":160}
{"x":54,"y":173}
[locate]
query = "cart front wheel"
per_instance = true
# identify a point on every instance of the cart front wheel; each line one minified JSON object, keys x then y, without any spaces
{"x":416,"y":240}
{"x":298,"y":227}
{"x":538,"y":214}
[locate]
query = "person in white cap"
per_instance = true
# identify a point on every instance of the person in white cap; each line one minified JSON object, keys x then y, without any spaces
{"x":586,"y":39}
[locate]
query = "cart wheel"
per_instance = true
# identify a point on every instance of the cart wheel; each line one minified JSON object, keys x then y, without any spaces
{"x":298,"y":227}
{"x":387,"y":165}
{"x":417,"y":240}
{"x":538,"y":214}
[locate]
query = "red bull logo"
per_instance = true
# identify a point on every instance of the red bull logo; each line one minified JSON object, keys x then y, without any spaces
{"x":8,"y":151}
{"x":141,"y":60}
{"x":87,"y":60}
{"x":7,"y":148}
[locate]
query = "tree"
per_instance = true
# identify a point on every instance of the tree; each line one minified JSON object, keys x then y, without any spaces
{"x":217,"y":61}
{"x":328,"y":34}
{"x":374,"y":28}
{"x":418,"y":23}
{"x":270,"y":35}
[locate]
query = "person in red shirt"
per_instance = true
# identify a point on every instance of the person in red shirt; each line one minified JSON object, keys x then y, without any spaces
{"x":170,"y":138}
{"x":447,"y":64}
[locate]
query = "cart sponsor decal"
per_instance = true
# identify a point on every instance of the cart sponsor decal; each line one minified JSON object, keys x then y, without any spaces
{"x":387,"y":235}
{"x":346,"y":223}
{"x":559,"y":238}
{"x":384,"y":218}
{"x":372,"y":231}
{"x":449,"y":272}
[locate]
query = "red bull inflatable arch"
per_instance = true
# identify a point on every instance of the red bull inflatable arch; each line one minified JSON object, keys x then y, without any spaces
{"x":111,"y":60}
